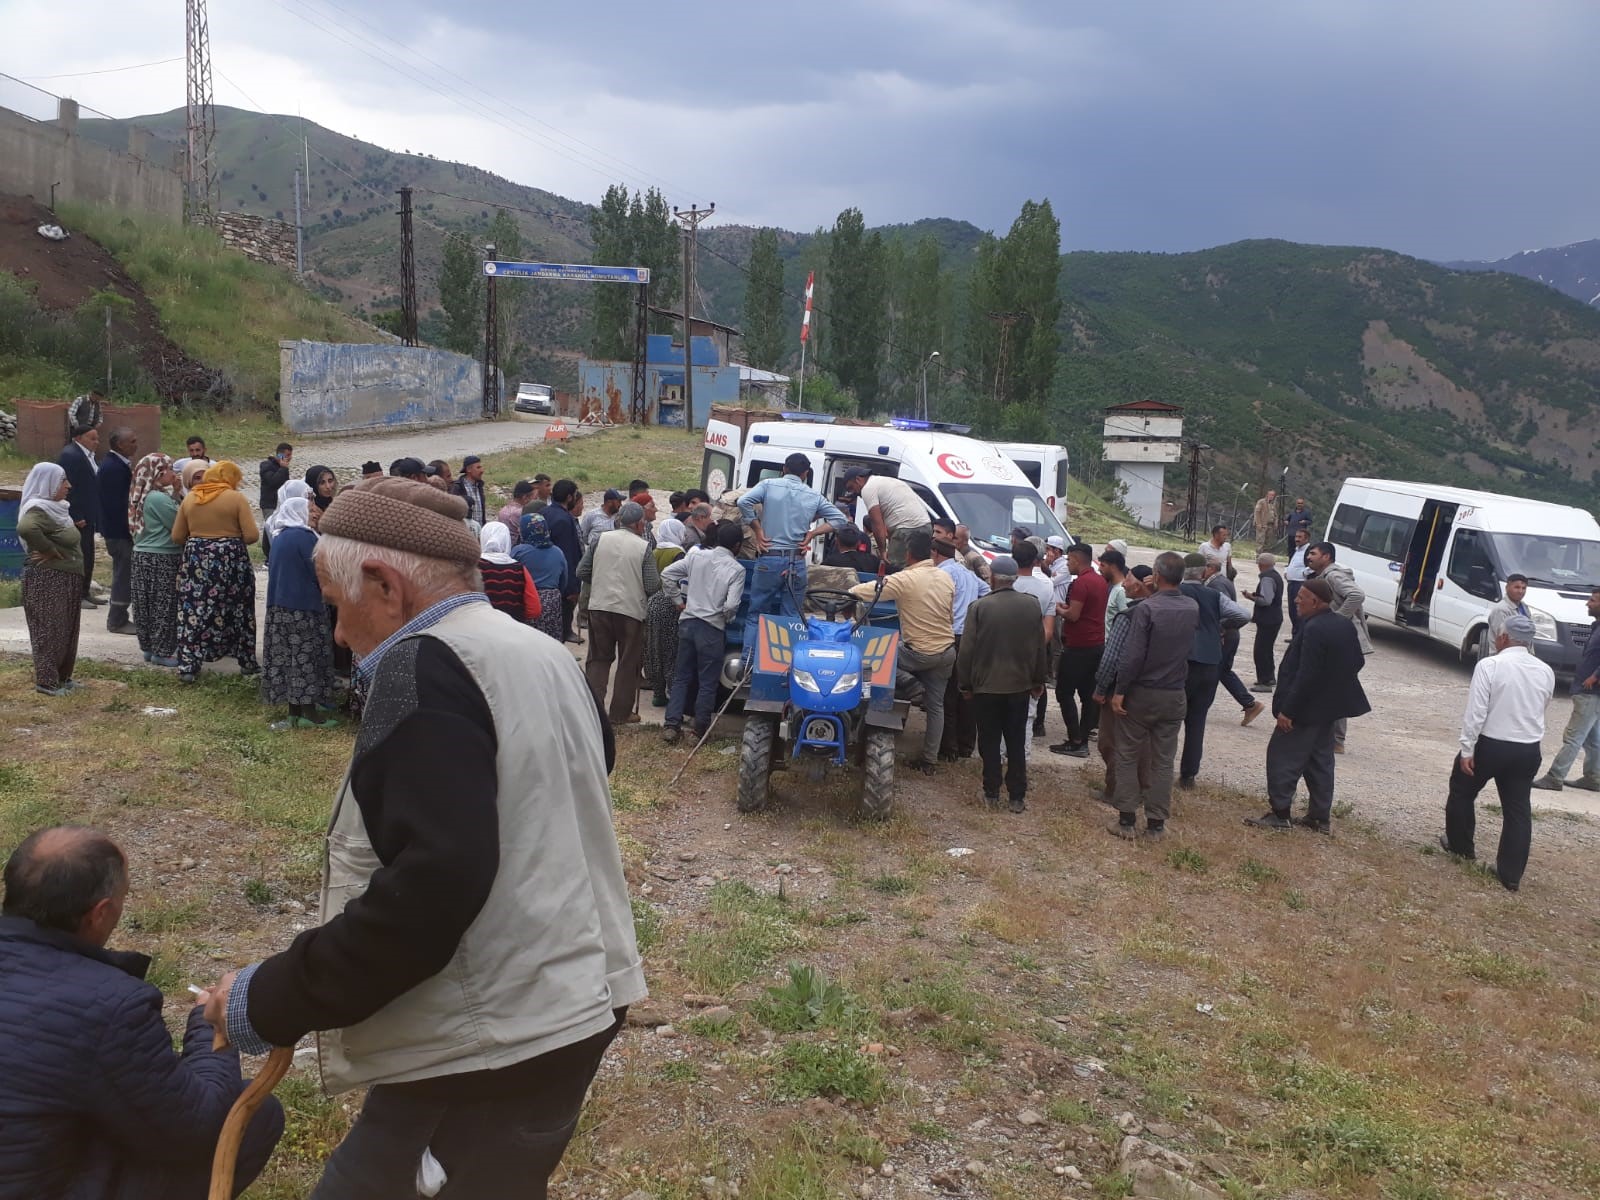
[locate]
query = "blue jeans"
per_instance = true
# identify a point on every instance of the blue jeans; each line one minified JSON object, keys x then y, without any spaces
{"x":776,"y":588}
{"x":700,"y":648}
{"x":1582,"y":735}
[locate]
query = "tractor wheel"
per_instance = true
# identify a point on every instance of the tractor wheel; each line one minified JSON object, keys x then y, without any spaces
{"x":877,"y":770}
{"x":755,"y":762}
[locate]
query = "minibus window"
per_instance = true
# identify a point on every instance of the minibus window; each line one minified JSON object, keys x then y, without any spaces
{"x":1061,"y":478}
{"x":1385,"y":536}
{"x":1346,"y":525}
{"x":1470,"y":567}
{"x":1548,"y":561}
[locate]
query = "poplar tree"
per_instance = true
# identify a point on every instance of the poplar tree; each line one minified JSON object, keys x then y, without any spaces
{"x":461,"y":295}
{"x":763,"y":303}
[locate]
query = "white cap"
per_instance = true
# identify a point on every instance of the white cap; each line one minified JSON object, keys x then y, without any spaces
{"x":1056,"y":540}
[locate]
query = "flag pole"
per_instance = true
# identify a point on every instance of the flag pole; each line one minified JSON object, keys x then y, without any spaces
{"x":805,"y":335}
{"x":802,"y":374}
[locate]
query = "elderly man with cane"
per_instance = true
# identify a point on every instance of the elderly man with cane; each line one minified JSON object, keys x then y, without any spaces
{"x":476,"y":953}
{"x":1500,"y":736}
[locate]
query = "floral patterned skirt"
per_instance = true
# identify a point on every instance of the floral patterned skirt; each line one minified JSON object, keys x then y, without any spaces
{"x":155,"y":601}
{"x":297,"y":657}
{"x":216,"y":604}
{"x":660,"y":641}
{"x":549,"y":620}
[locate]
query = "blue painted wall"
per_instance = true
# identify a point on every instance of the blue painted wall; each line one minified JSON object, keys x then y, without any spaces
{"x":610,"y":386}
{"x":328,"y":388}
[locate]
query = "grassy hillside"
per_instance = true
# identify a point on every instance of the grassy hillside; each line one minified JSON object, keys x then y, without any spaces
{"x":1362,"y":360}
{"x":221,"y":307}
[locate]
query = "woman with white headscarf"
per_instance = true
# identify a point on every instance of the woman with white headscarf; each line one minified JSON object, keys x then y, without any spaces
{"x":297,"y":647}
{"x":152,"y":508}
{"x":505,"y":580}
{"x":52,"y":579}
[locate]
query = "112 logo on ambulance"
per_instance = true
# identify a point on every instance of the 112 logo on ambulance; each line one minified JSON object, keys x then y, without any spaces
{"x":954,"y":464}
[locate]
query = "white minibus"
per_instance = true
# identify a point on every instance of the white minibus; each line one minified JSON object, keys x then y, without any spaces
{"x":1434,"y":559}
{"x":1046,"y":468}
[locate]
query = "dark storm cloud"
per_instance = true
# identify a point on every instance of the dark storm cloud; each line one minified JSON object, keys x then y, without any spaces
{"x":1445,"y":128}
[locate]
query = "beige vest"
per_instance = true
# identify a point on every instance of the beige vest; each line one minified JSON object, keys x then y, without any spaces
{"x":552,"y":952}
{"x":617,"y":582}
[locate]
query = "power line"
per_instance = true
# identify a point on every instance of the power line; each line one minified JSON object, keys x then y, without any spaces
{"x":639,"y":172}
{"x":385,"y":59}
{"x":161,"y":62}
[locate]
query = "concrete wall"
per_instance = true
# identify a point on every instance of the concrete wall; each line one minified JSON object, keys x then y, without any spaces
{"x":34,"y":155}
{"x":327,"y":388}
{"x":1144,"y":482}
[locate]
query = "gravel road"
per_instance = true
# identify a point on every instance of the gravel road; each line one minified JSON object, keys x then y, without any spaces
{"x":449,"y":442}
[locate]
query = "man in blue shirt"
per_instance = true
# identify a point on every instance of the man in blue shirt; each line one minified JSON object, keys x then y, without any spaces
{"x":789,"y":508}
{"x":960,"y":737}
{"x":1583,"y":727}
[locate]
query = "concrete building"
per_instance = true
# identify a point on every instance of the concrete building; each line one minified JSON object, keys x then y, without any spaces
{"x":49,"y":160}
{"x":607,"y":387}
{"x":762,"y":389}
{"x":1141,"y":438}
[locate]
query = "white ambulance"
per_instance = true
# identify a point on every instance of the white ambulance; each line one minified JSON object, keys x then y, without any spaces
{"x":1434,"y":559}
{"x":965,"y":480}
{"x":1046,"y":468}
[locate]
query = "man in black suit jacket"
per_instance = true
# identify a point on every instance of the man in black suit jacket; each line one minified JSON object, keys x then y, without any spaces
{"x":1317,"y":687}
{"x":114,"y":480}
{"x":77,"y":459}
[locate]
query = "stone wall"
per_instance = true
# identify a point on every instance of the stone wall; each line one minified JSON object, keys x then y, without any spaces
{"x":329,"y":388}
{"x":261,"y":238}
{"x":36,"y":154}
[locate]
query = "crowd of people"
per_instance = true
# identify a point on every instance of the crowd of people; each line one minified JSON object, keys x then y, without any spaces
{"x":476,"y":1010}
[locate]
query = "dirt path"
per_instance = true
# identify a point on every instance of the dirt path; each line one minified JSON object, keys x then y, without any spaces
{"x":449,"y":442}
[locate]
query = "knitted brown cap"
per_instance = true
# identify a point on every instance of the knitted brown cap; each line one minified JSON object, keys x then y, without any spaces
{"x":402,"y":515}
{"x":1320,"y":589}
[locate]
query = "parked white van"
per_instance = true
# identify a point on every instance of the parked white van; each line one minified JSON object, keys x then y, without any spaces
{"x":1433,"y":559}
{"x":965,"y":480}
{"x":1046,"y":468}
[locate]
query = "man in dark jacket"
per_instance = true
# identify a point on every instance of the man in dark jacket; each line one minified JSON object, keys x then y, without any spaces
{"x":1267,"y":617}
{"x":93,"y":1102}
{"x":1001,"y":665}
{"x":1205,"y":661}
{"x":564,"y":497}
{"x":1317,"y":688}
{"x":114,"y":479}
{"x":77,"y":459}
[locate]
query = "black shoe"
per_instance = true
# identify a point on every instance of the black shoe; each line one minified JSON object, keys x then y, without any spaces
{"x":920,"y":765}
{"x":1155,"y":831}
{"x":1018,"y":806}
{"x":1264,"y":688}
{"x":948,"y":758}
{"x":1548,"y":783}
{"x":1444,"y":844}
{"x":992,"y":803}
{"x":672,"y":735}
{"x":1038,"y":731}
{"x":1071,"y":749}
{"x":1585,"y":784}
{"x":1510,"y":887}
{"x":1186,"y":782}
{"x":1315,"y":825}
{"x":1126,"y":830}
{"x":1269,"y":820}
{"x":127,"y":629}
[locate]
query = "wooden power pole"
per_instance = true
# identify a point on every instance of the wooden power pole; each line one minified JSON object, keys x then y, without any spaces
{"x":690,"y":220}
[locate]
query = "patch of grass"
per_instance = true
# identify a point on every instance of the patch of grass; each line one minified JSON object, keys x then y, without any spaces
{"x":809,"y":1000}
{"x":1495,"y":967}
{"x":313,"y":1125}
{"x":964,"y":1027}
{"x":668,"y":458}
{"x":1186,"y":858}
{"x":1343,"y":809}
{"x":1296,"y":900}
{"x":832,"y":1070}
{"x":163,"y":916}
{"x":10,"y":593}
{"x":680,"y":1071}
{"x":724,"y":1029}
{"x":1114,"y":1186}
{"x":257,"y":892}
{"x":1255,"y":872}
{"x":929,"y":1131}
{"x":749,"y":930}
{"x":646,"y":925}
{"x":1413,"y":1187}
{"x":1069,"y":1112}
{"x":166,"y":972}
{"x":892,"y":885}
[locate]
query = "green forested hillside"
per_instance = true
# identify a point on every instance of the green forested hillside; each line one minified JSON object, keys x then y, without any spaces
{"x":1362,"y":360}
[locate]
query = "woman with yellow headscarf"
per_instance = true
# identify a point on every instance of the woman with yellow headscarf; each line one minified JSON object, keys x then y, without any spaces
{"x":216,"y":581}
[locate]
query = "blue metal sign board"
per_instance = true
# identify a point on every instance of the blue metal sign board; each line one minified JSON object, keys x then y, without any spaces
{"x":582,"y":272}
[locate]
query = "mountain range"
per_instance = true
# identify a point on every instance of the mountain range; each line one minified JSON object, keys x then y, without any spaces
{"x":1573,"y":270}
{"x":1326,"y":360}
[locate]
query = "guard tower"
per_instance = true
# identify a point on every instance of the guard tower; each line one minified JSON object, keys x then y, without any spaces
{"x":1141,"y":439}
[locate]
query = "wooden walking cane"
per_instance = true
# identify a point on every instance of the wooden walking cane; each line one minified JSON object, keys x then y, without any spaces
{"x":244,"y":1108}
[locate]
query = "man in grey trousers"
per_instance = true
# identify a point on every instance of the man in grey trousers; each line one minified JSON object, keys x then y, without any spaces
{"x":1150,"y":701}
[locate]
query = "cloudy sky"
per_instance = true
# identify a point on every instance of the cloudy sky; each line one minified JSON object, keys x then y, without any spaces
{"x":1444,"y":128}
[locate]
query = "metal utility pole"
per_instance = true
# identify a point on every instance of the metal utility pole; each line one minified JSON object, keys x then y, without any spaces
{"x":491,"y":345}
{"x":639,"y":408}
{"x":299,"y":240}
{"x":408,"y":273}
{"x":691,"y":238}
{"x":201,"y":113}
{"x":1194,"y":485}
